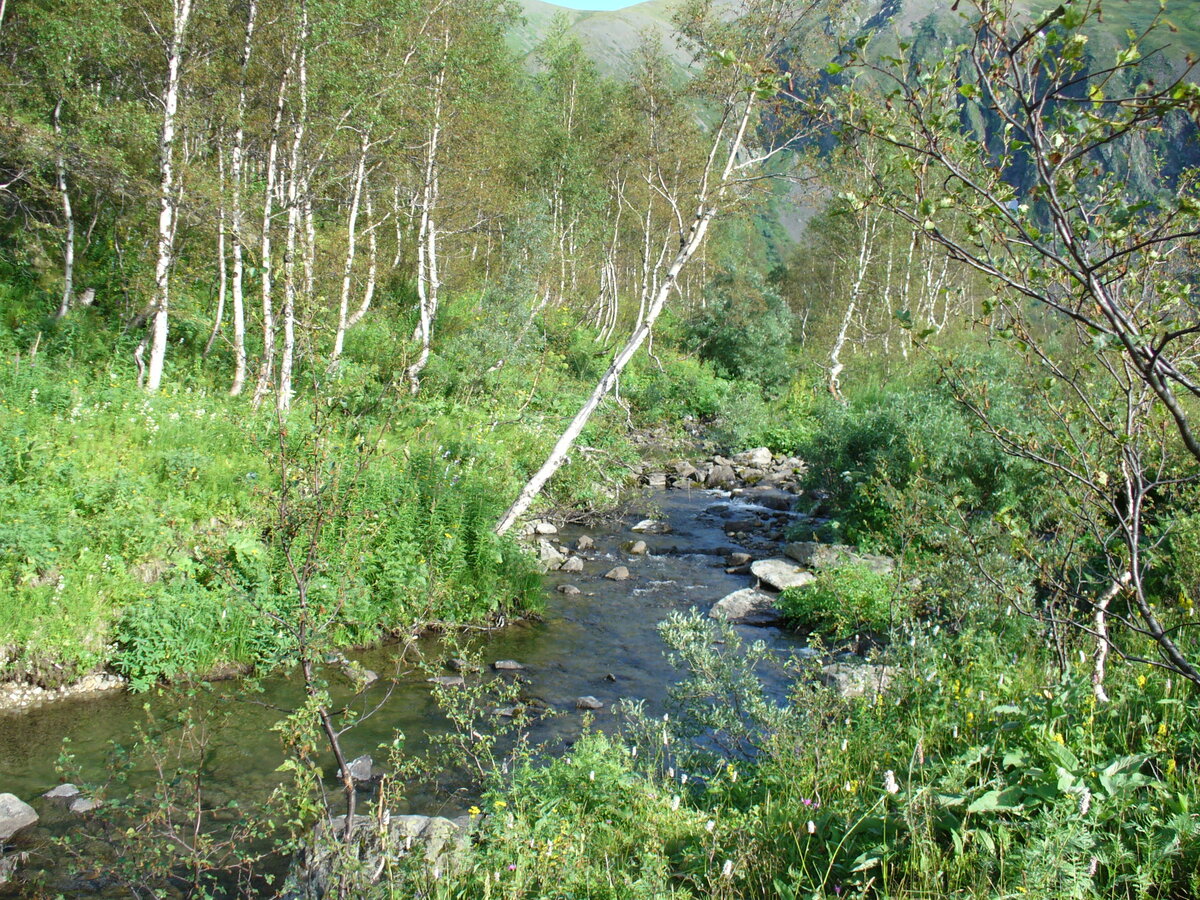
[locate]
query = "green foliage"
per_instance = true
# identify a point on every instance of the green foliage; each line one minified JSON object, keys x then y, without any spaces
{"x":844,"y":600}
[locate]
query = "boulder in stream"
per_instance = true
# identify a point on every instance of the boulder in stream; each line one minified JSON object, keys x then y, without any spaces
{"x":620,"y":573}
{"x":63,"y":794}
{"x":15,"y":814}
{"x":572,"y":564}
{"x":747,"y":607}
{"x":651,"y":526}
{"x":544,"y":528}
{"x":507,"y":665}
{"x":780,"y":574}
{"x":636,"y":548}
{"x":584,"y":543}
{"x":360,"y":768}
{"x":569,"y":590}
{"x":759,"y":458}
{"x":588,"y":702}
{"x":814,"y":555}
{"x":448,"y":680}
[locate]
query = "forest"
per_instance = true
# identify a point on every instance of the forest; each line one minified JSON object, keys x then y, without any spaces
{"x":343,"y":341}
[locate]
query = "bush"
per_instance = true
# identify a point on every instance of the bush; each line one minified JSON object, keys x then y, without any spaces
{"x":844,"y":600}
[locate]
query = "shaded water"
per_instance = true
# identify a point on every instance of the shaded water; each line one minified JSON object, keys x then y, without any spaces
{"x":601,"y":642}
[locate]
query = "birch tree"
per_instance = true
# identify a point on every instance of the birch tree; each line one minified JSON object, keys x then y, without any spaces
{"x":181,"y":11}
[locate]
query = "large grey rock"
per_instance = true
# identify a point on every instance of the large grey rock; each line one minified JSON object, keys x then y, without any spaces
{"x":636,"y":548}
{"x":814,"y":555}
{"x":569,"y":590}
{"x":780,"y":574}
{"x":759,"y":457}
{"x":721,"y":476}
{"x":360,"y":767}
{"x":448,"y":680}
{"x":620,"y":573}
{"x":656,"y":479}
{"x":443,"y":843}
{"x":588,"y":702}
{"x":584,"y":542}
{"x":15,"y":814}
{"x":544,"y":528}
{"x":572,"y":564}
{"x":747,"y":607}
{"x":857,"y":680}
{"x":81,"y":805}
{"x":781,"y":501}
{"x":507,"y":665}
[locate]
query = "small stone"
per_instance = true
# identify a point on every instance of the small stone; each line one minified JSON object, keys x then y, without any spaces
{"x":656,"y":479}
{"x":81,"y":805}
{"x":448,"y":680}
{"x":588,"y":703}
{"x":610,"y":677}
{"x":584,"y":542}
{"x":507,"y":665}
{"x":569,"y":590}
{"x":545,"y":528}
{"x":573,"y":564}
{"x":738,"y":559}
{"x":458,"y":664}
{"x":620,"y":573}
{"x":651,"y":526}
{"x":636,"y":548}
{"x":759,"y":457}
{"x":63,"y":793}
{"x":360,"y":768}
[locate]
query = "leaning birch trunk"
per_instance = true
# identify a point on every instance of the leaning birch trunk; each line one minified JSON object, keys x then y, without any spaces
{"x":339,"y":340}
{"x":60,"y":171}
{"x":182,"y":10}
{"x":295,"y":190}
{"x":688,"y":245}
{"x":266,"y":367}
{"x":236,"y":162}
{"x":1102,"y":639}
{"x":835,"y":356}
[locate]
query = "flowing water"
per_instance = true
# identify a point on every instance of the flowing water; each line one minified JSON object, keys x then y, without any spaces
{"x":602,"y":642}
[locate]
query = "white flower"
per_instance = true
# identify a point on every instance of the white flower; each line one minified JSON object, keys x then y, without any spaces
{"x":671,"y":772}
{"x":1085,"y":802}
{"x":727,"y":869}
{"x":683,"y":778}
{"x":709,"y":826}
{"x":812,"y":827}
{"x":889,"y":782}
{"x":675,"y":803}
{"x":591,"y":776}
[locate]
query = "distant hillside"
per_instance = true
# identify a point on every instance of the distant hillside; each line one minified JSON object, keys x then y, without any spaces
{"x":611,"y":38}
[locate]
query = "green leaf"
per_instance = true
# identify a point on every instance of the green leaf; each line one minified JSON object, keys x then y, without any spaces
{"x":1007,"y":800}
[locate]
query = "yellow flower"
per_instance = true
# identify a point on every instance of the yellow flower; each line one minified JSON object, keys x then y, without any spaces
{"x":1141,"y":681}
{"x":1171,"y":766}
{"x":500,"y":804}
{"x":1162,"y":729}
{"x":474,"y":811}
{"x":1059,"y":738}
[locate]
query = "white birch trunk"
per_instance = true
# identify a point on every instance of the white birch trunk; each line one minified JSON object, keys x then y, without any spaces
{"x":236,"y":164}
{"x":360,"y":172}
{"x":60,"y":171}
{"x":372,"y":263}
{"x":222,"y":267}
{"x":182,"y":10}
{"x":295,"y":190}
{"x":835,"y":356}
{"x":266,"y":367}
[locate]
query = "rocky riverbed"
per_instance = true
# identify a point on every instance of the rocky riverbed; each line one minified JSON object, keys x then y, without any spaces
{"x":723,"y":550}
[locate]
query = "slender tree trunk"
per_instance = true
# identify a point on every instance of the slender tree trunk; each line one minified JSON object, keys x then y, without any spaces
{"x":427,"y":268}
{"x":167,"y":200}
{"x":360,"y":172}
{"x":864,"y":260}
{"x":688,"y":245}
{"x":266,"y":367}
{"x":60,"y":171}
{"x":236,"y":164}
{"x":222,"y":273}
{"x":372,"y":263}
{"x":295,"y":191}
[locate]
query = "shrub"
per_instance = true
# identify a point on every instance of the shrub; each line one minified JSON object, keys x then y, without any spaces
{"x":844,"y":600}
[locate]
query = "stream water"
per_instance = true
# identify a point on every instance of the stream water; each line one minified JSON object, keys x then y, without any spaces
{"x":602,"y":642}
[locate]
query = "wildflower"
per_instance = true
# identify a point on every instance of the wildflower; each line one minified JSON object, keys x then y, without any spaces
{"x":675,"y":803}
{"x":1141,"y":681}
{"x":500,"y":804}
{"x":1162,"y":729}
{"x":727,"y":869}
{"x":889,"y":782}
{"x":1085,"y":802}
{"x":709,"y":826}
{"x":1171,"y":766}
{"x":1058,"y":738}
{"x":591,"y":776}
{"x":474,"y":811}
{"x":812,"y":827}
{"x":683,"y":778}
{"x":512,"y":867}
{"x":671,"y":772}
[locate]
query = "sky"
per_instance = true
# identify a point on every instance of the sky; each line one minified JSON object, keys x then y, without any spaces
{"x":593,"y":4}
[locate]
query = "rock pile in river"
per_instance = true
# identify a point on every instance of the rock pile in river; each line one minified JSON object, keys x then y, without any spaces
{"x":751,"y":467}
